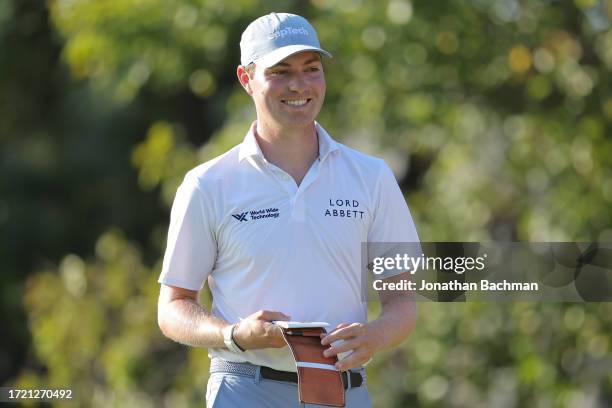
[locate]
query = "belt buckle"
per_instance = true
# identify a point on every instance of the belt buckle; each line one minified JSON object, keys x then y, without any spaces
{"x":351,"y":379}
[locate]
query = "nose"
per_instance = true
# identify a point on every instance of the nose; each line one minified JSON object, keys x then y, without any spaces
{"x":298,"y":82}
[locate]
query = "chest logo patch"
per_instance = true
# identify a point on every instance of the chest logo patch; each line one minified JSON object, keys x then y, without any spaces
{"x":257,"y":214}
{"x":344,"y":208}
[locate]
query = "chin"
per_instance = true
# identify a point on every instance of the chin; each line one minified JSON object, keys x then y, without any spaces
{"x":299,"y":122}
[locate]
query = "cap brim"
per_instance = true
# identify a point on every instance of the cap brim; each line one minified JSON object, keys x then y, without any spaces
{"x":280,"y":54}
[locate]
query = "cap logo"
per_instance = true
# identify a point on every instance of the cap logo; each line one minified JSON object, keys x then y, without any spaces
{"x":287,"y":31}
{"x":275,"y":36}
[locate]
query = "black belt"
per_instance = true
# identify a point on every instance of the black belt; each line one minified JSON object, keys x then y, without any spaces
{"x":287,"y":376}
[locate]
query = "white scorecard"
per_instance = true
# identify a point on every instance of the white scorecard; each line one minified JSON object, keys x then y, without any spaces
{"x":299,"y":325}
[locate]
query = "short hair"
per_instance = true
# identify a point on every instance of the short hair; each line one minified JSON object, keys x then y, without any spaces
{"x":250,"y":69}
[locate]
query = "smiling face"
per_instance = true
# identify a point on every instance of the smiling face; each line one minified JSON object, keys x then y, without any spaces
{"x":288,"y":94}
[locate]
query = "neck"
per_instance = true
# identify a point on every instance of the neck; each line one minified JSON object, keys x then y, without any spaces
{"x":291,"y":149}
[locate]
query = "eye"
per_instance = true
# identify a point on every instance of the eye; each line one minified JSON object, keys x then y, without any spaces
{"x":278,"y":73}
{"x":314,"y":69}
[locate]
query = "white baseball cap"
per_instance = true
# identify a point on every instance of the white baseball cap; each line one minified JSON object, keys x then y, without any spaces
{"x":276,"y":36}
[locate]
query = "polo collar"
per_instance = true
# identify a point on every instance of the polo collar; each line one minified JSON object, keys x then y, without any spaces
{"x":250,"y":148}
{"x":327,"y":145}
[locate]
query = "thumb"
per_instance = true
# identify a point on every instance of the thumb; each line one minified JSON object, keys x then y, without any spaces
{"x":271,"y":315}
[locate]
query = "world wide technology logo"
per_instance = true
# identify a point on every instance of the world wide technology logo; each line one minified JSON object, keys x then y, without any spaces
{"x":257,"y":214}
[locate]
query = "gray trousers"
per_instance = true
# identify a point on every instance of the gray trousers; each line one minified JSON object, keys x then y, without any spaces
{"x":229,"y":390}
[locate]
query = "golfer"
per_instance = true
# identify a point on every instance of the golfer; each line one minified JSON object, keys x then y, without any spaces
{"x":275,"y":227}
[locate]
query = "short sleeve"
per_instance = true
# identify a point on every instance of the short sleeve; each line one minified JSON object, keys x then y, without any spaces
{"x":191,"y":248}
{"x":392,"y":222}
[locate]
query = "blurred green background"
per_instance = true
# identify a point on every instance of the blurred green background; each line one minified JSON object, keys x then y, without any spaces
{"x":495,"y":116}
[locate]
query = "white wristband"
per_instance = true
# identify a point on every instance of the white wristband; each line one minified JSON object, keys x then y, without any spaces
{"x":228,"y":340}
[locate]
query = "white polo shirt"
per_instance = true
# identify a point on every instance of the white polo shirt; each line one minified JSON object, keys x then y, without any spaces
{"x":265,"y":243}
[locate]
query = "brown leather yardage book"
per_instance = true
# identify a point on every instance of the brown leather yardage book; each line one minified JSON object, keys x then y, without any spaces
{"x":319,"y":382}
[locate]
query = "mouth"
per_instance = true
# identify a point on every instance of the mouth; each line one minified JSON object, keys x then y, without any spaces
{"x":296,"y":103}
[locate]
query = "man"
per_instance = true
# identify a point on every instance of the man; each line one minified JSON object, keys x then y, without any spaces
{"x":275,"y":226}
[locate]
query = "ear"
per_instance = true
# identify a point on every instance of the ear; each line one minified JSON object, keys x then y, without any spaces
{"x":244,"y":79}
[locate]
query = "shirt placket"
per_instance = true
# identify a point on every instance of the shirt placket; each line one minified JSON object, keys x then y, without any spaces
{"x":295,"y":193}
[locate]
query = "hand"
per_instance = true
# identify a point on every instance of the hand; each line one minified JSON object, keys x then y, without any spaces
{"x":256,"y":331}
{"x":358,"y":338}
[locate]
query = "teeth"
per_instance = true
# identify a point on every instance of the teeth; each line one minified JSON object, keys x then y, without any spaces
{"x":298,"y":102}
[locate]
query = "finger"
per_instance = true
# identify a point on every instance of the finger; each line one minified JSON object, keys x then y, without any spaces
{"x":275,"y":331}
{"x":350,"y":331}
{"x":353,"y":360}
{"x":341,"y":346}
{"x":341,"y":325}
